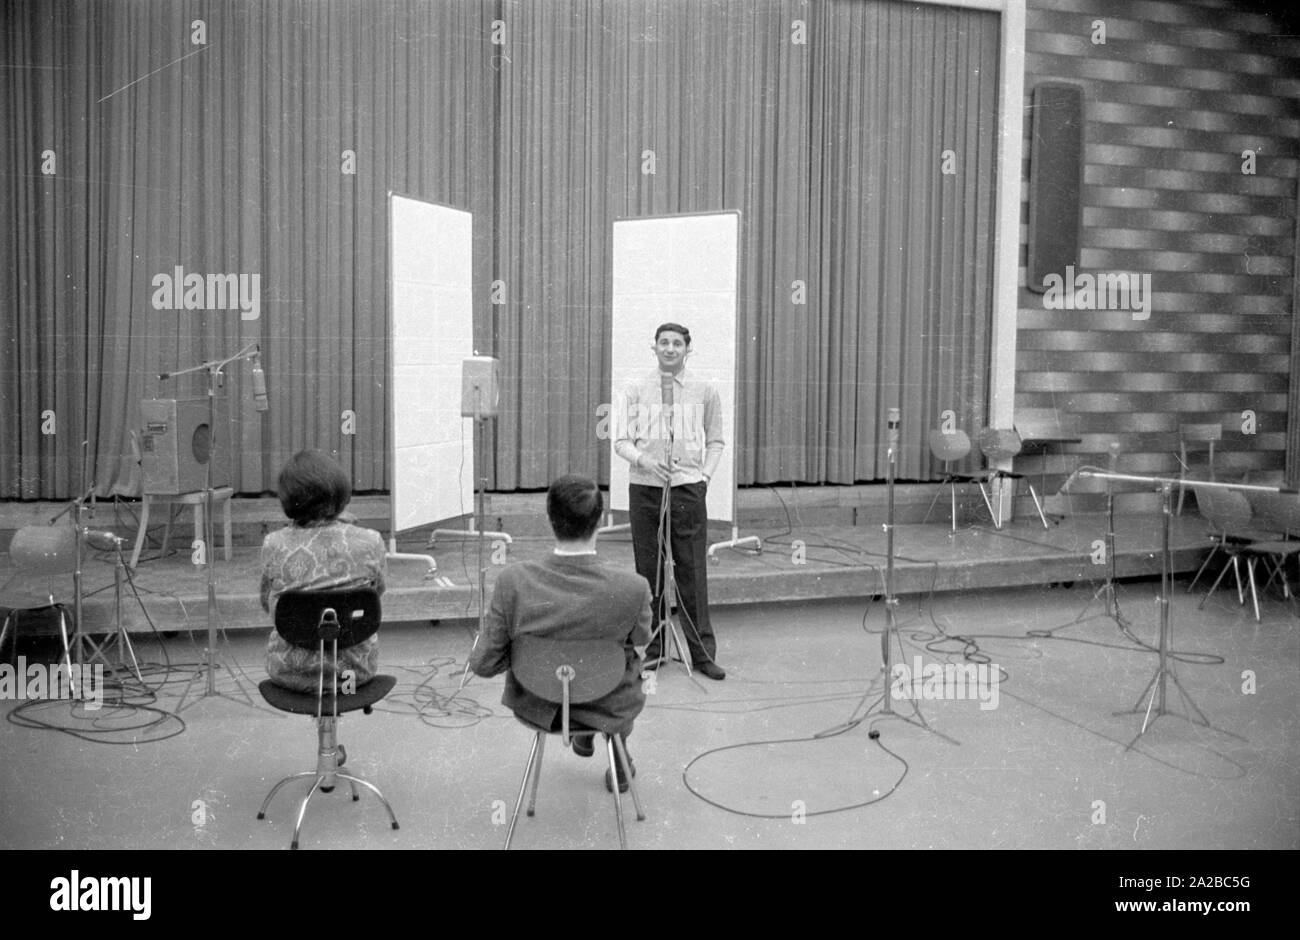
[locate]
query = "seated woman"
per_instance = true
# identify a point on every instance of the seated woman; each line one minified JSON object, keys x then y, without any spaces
{"x":317,"y":550}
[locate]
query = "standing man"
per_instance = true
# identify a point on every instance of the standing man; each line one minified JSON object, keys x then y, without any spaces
{"x":670,"y":431}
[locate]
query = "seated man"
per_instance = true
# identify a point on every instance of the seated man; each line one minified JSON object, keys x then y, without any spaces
{"x":570,"y":595}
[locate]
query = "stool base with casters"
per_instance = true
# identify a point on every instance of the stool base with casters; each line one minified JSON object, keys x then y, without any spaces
{"x":328,"y":751}
{"x":312,"y":620}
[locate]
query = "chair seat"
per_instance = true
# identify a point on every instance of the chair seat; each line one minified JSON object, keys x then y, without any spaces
{"x":1274,"y":548}
{"x":575,"y":728}
{"x":1242,"y":537}
{"x":30,"y":603}
{"x":304,"y":703}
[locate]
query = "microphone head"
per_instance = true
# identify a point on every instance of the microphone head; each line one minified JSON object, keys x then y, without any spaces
{"x":101,"y":541}
{"x":893,"y":417}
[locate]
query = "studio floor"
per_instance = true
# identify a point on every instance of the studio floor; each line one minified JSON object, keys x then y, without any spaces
{"x":731,"y":764}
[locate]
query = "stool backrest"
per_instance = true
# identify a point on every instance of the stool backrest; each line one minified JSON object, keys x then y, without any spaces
{"x":597,"y":666}
{"x":301,"y":617}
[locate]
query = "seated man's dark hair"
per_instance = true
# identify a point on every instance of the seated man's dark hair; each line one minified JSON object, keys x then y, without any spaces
{"x":313,"y":488}
{"x":574,"y":505}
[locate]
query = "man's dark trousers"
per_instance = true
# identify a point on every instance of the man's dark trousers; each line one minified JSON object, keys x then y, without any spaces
{"x":690,"y":544}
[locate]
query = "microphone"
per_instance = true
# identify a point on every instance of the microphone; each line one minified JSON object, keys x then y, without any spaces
{"x":101,"y":541}
{"x":1113,"y":459}
{"x":164,"y":376}
{"x":259,"y":384}
{"x":666,"y":393}
{"x":893,"y":432}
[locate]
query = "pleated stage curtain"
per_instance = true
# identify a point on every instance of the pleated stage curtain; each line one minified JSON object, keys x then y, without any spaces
{"x":856,"y":137}
{"x":227,"y":156}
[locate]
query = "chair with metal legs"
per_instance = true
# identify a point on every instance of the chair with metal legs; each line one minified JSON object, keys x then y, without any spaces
{"x":995,"y":445}
{"x":567,"y":673}
{"x":1278,"y":514}
{"x":40,"y":551}
{"x":1194,"y":434}
{"x":1230,"y":518}
{"x":948,"y":447}
{"x":325,"y":621}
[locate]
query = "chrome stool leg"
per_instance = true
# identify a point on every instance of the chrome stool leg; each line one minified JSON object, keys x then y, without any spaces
{"x":618,"y":803}
{"x":392,"y":818}
{"x":523,"y":788}
{"x":261,"y":813}
{"x":302,"y":812}
{"x":631,"y":781}
{"x":537,"y":774}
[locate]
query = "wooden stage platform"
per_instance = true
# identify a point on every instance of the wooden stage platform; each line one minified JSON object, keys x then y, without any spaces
{"x":796,"y":563}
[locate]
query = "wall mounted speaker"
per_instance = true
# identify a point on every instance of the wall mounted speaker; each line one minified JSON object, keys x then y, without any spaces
{"x":480,"y":387}
{"x":1055,"y":181}
{"x":176,"y":445}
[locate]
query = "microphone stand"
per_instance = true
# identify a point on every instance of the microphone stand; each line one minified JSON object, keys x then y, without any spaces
{"x":891,"y":601}
{"x":890,"y":631}
{"x":121,"y":636}
{"x":72,"y":650}
{"x":213,"y":369}
{"x":1106,"y":592}
{"x":1159,"y":684}
{"x":668,"y":596}
{"x":480,"y":513}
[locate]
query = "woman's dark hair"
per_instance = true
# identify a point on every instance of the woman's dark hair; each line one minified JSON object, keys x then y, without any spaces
{"x":574,"y":505}
{"x":313,"y":488}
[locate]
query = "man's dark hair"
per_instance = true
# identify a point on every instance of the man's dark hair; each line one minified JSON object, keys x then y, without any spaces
{"x":675,"y":328}
{"x":313,"y":488}
{"x":574,"y":505}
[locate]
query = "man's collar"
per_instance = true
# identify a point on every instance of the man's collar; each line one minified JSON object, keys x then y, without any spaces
{"x":679,"y":378}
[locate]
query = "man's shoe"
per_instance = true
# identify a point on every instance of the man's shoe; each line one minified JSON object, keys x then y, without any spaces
{"x":711,"y":669}
{"x":622,"y":782}
{"x":584,"y":745}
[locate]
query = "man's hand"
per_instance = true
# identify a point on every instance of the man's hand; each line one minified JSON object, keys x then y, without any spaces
{"x":656,"y":467}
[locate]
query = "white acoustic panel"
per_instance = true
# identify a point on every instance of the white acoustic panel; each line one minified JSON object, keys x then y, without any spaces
{"x":430,"y":334}
{"x":681,"y":269}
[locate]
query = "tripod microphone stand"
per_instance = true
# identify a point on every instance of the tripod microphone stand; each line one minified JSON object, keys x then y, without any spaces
{"x":1106,"y":592}
{"x":213,"y":369}
{"x":72,"y":646}
{"x":1158,"y":687}
{"x":667,"y":628}
{"x":890,"y":631}
{"x":105,"y":541}
{"x":480,"y":512}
